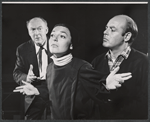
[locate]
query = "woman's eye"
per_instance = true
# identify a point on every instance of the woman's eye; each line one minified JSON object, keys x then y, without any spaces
{"x":51,"y":35}
{"x":62,"y":36}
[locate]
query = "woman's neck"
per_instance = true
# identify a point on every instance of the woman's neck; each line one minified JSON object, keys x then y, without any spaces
{"x":58,"y":55}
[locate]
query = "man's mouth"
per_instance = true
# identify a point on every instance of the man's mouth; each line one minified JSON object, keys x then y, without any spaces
{"x":105,"y":39}
{"x":37,"y":38}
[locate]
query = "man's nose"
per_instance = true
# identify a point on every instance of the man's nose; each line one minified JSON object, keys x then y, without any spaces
{"x":36,"y":31}
{"x":106,"y":31}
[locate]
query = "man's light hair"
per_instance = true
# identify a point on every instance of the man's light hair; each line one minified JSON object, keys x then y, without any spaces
{"x":35,"y":19}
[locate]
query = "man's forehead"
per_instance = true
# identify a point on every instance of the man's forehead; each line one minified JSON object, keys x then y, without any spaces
{"x":36,"y":23}
{"x":117,"y":22}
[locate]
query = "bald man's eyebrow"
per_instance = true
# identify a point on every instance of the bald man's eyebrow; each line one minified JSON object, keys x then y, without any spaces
{"x":111,"y":27}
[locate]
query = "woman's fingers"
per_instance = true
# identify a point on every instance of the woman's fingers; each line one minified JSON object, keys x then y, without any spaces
{"x":25,"y":82}
{"x":121,"y":79}
{"x":115,"y":85}
{"x":127,"y":77}
{"x":115,"y":70}
{"x":19,"y":87}
{"x":18,"y":90}
{"x":125,"y":74}
{"x":118,"y":85}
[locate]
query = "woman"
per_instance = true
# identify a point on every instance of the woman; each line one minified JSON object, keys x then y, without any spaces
{"x":74,"y":87}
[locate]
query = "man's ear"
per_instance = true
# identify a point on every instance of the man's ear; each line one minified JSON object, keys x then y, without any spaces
{"x":46,"y":30}
{"x":127,"y":36}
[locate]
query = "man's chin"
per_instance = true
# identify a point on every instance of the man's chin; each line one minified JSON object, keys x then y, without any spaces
{"x":105,"y":45}
{"x":38,"y":42}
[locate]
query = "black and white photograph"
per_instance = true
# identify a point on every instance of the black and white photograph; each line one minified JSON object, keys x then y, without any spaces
{"x":74,"y":61}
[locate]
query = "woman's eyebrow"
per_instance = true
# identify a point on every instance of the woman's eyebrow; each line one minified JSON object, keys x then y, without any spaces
{"x":63,"y":32}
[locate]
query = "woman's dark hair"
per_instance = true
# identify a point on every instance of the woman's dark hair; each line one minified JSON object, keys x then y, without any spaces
{"x":73,"y":32}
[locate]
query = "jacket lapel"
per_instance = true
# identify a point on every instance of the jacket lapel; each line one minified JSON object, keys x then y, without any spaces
{"x":33,"y":58}
{"x":106,"y":67}
{"x":48,"y":52}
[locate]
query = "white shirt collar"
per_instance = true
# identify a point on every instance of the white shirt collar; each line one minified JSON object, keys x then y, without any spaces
{"x":37,"y":47}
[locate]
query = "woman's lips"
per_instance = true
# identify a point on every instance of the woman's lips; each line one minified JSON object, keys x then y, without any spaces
{"x":54,"y":45}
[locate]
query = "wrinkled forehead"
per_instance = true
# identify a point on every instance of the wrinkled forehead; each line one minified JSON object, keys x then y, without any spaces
{"x":62,"y":29}
{"x":37,"y":22}
{"x":117,"y":22}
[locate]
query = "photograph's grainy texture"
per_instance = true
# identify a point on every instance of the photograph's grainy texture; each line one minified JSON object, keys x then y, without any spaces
{"x":101,"y":36}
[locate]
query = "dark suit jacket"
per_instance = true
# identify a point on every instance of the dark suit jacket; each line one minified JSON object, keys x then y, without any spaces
{"x":130,"y":101}
{"x":26,"y":55}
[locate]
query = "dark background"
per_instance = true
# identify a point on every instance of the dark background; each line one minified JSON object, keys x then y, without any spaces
{"x":90,"y":21}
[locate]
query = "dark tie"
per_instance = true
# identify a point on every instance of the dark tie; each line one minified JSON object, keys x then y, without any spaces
{"x":40,"y":57}
{"x":48,"y":55}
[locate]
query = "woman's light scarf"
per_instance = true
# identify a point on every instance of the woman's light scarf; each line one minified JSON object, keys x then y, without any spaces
{"x":62,"y":60}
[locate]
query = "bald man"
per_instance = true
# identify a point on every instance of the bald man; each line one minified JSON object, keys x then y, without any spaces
{"x":131,"y":100}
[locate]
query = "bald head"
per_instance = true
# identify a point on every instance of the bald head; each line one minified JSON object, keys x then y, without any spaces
{"x":128,"y":25}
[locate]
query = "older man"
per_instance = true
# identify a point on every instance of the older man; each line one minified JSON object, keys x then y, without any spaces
{"x":131,"y":100}
{"x":32,"y":60}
